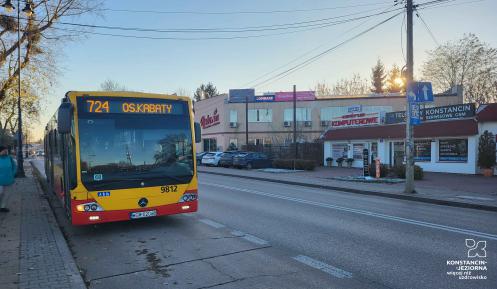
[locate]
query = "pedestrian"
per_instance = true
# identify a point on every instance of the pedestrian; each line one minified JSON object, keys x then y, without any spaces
{"x":7,"y":173}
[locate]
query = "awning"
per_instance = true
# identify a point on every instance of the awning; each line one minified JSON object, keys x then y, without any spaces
{"x":435,"y":129}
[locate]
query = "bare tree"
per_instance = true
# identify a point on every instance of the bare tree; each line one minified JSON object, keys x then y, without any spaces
{"x":467,"y":62}
{"x":40,"y":41}
{"x":111,"y":85}
{"x":323,"y":90}
{"x":354,"y":86}
{"x":182,"y":92}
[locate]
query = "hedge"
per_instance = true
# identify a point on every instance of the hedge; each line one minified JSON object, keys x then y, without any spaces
{"x":308,"y":165}
{"x":400,"y":171}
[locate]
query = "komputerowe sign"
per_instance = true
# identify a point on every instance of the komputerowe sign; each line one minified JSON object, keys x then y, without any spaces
{"x":210,"y":120}
{"x":356,"y":119}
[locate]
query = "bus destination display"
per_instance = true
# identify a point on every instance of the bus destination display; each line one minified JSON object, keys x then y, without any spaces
{"x":131,"y":106}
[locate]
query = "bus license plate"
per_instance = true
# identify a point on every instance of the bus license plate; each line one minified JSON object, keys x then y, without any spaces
{"x":145,"y":214}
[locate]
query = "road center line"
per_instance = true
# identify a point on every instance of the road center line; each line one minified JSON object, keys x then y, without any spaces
{"x":212,"y":223}
{"x":363,"y":212}
{"x":332,"y":270}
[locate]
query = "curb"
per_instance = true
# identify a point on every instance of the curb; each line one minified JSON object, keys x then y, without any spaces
{"x":75,"y":277}
{"x":364,"y":192}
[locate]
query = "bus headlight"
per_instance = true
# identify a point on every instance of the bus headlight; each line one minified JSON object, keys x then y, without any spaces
{"x":89,"y":207}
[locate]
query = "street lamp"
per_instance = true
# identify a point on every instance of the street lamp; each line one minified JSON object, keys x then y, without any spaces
{"x":28,"y":10}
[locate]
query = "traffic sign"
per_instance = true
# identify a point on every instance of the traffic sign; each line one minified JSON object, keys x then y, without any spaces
{"x":420,"y":92}
{"x":415,"y":113}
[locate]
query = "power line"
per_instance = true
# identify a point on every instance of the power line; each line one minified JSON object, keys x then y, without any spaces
{"x":243,"y":12}
{"x":427,"y":28}
{"x":285,"y":26}
{"x":314,"y":58}
{"x":308,"y":52}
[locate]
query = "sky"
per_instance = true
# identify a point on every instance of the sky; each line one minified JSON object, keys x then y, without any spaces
{"x":164,"y":66}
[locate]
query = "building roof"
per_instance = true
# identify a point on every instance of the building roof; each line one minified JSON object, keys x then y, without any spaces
{"x":488,"y":113}
{"x":463,"y":127}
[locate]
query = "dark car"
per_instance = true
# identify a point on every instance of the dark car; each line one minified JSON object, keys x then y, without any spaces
{"x":251,"y":160}
{"x":227,"y":158}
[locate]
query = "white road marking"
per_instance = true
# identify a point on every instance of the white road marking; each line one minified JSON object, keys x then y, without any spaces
{"x":212,"y":223}
{"x":250,"y":238}
{"x":327,"y":268}
{"x":363,"y":212}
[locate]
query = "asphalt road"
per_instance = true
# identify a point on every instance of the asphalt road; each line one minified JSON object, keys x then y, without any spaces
{"x":254,"y":234}
{"x":380,"y":242}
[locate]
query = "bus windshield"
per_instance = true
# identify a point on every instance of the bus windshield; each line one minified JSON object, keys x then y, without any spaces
{"x":135,"y":150}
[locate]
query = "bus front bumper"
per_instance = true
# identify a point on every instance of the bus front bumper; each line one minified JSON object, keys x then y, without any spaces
{"x":88,"y":218}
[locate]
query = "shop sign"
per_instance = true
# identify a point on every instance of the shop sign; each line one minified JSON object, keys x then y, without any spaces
{"x":354,"y":108}
{"x":300,"y":96}
{"x":242,"y":95}
{"x":356,"y":119}
{"x":264,"y":98}
{"x":435,"y":113}
{"x":422,"y":150}
{"x":365,"y":162}
{"x":210,"y":120}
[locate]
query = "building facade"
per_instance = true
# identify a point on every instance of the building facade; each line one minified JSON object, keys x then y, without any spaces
{"x":270,"y":116}
{"x":447,"y":140}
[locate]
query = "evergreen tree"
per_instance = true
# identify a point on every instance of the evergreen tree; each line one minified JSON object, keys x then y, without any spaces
{"x":205,"y":91}
{"x":395,"y":81}
{"x":378,"y":77}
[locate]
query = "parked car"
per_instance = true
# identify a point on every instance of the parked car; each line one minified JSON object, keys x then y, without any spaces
{"x":200,"y":156}
{"x":211,"y":159}
{"x":251,"y":160}
{"x":227,"y":158}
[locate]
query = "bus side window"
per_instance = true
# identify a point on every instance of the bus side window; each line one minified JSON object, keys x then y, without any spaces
{"x":54,"y":140}
{"x":71,"y":158}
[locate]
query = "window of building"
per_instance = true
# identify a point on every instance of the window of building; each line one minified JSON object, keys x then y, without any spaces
{"x":453,"y":150}
{"x":374,"y":150}
{"x":357,"y":150}
{"x":260,"y":115}
{"x":234,"y":142}
{"x":302,"y":114}
{"x":233,"y":116}
{"x":210,"y":144}
{"x":422,"y":150}
{"x":267,"y":141}
{"x":339,"y":150}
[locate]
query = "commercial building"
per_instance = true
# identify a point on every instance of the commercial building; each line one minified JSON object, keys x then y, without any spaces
{"x":446,"y":141}
{"x":270,"y":116}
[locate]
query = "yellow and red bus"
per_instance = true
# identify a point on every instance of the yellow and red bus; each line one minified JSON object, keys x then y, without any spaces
{"x":114,"y":156}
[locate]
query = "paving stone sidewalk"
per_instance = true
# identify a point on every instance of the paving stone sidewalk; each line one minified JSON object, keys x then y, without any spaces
{"x":36,"y":254}
{"x":471,"y":190}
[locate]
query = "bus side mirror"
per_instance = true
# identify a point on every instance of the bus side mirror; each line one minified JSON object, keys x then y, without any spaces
{"x":198,"y":133}
{"x":64,"y":117}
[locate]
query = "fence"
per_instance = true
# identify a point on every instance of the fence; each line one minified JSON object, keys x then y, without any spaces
{"x":306,"y":151}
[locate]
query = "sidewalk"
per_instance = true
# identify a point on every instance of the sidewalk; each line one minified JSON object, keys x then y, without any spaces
{"x":33,"y":252}
{"x":467,"y":191}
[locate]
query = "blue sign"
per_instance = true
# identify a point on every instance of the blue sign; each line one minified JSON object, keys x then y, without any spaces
{"x":415,"y":114}
{"x":420,"y":92}
{"x":354,"y":108}
{"x":242,"y":95}
{"x":264,"y":98}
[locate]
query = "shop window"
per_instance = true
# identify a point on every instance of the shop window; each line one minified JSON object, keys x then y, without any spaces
{"x":422,"y":150}
{"x":453,"y":150}
{"x":339,"y":150}
{"x":357,"y":151}
{"x":260,"y":115}
{"x":234,"y":142}
{"x":374,"y":150}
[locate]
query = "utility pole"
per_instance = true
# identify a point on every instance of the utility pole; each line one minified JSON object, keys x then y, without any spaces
{"x":246,"y":123}
{"x":295,"y":120}
{"x":409,"y":143}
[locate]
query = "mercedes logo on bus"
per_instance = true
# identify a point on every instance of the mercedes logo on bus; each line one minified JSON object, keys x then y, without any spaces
{"x":142,"y":202}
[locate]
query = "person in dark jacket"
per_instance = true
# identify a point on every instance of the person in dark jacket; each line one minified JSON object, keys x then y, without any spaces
{"x":7,"y":173}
